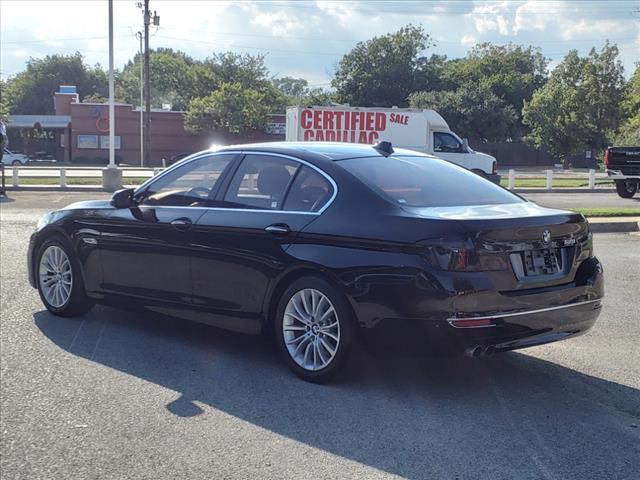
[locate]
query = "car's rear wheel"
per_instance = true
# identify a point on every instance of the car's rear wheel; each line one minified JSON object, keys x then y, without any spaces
{"x":314,"y":328}
{"x":59,"y":280}
{"x":16,"y":163}
{"x":626,"y":189}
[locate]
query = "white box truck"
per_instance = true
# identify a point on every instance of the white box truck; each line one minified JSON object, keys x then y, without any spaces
{"x":415,"y":129}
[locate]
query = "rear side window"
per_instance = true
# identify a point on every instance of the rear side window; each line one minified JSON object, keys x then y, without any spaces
{"x":309,"y":192}
{"x":426,"y":182}
{"x":260,"y":182}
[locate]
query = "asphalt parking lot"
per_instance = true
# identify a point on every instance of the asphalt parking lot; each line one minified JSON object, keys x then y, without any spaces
{"x":134,"y":395}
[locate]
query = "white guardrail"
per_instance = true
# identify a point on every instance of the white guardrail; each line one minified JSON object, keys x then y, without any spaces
{"x":63,"y":174}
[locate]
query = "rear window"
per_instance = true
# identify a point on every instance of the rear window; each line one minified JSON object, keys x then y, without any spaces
{"x":426,"y":182}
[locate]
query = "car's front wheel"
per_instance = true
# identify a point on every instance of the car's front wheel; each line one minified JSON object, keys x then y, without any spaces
{"x":59,"y":280}
{"x":16,"y":163}
{"x":314,"y":328}
{"x":626,"y":189}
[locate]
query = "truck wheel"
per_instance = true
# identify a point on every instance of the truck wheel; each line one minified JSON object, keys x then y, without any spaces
{"x":626,"y":189}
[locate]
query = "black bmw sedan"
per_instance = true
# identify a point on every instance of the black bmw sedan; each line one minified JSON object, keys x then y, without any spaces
{"x":318,"y":243}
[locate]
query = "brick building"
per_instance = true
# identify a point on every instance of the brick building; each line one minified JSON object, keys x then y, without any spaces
{"x":79,"y":132}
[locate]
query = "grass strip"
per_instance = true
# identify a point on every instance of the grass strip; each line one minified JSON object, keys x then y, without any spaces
{"x":557,"y":182}
{"x":608,"y":212}
{"x":77,"y":180}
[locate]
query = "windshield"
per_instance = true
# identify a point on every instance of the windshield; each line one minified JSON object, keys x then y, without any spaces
{"x":426,"y":182}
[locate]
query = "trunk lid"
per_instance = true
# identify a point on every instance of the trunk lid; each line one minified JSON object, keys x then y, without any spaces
{"x":522,"y":245}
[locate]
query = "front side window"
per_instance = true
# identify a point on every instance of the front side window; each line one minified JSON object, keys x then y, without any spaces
{"x":426,"y":182}
{"x":192,"y":184}
{"x":447,"y":143}
{"x":261,"y":182}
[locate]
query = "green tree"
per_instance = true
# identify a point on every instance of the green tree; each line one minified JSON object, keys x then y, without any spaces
{"x":512,"y":72}
{"x":473,"y":111}
{"x":581,"y":104}
{"x":629,"y":133}
{"x":232,"y":108}
{"x":31,"y":91}
{"x":383,"y":71}
{"x":170,"y":79}
{"x":95,"y":98}
{"x":4,"y":106}
{"x":291,"y":87}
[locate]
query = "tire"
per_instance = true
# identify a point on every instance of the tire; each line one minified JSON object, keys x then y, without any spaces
{"x":626,"y":189}
{"x":16,"y":163}
{"x":319,"y":357}
{"x":66,"y":298}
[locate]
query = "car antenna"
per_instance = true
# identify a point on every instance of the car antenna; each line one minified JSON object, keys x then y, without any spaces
{"x":384,"y":148}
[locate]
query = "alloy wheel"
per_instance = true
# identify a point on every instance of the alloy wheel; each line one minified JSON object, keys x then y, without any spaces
{"x":56,"y":276}
{"x":311,"y":329}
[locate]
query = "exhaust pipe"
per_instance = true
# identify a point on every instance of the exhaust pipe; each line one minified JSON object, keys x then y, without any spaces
{"x":474,"y":352}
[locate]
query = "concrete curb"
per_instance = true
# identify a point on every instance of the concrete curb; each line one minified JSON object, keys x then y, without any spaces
{"x":564,"y":190}
{"x":98,"y":188}
{"x":614,"y":224}
{"x":55,"y":188}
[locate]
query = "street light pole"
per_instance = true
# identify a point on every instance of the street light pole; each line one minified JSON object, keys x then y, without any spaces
{"x":111,"y":176}
{"x":112,"y":146}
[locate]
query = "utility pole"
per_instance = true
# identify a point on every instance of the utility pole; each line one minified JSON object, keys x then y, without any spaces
{"x":140,"y":37}
{"x":147,"y":89}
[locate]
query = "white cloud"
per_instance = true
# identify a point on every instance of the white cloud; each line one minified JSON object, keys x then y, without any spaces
{"x":468,"y":40}
{"x":304,"y":38}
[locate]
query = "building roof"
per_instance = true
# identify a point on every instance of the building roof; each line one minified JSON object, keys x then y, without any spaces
{"x":45,"y":121}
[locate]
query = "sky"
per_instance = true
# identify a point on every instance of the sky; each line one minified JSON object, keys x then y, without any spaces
{"x":307,"y":38}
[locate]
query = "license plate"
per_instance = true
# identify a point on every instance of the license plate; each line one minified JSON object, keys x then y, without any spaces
{"x":542,"y":262}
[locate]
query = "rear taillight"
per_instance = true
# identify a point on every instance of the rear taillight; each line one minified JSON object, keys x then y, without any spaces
{"x":606,"y":158}
{"x":472,"y":323}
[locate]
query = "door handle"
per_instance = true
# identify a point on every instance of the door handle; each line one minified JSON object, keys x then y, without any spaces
{"x":181,"y":224}
{"x":278,"y":229}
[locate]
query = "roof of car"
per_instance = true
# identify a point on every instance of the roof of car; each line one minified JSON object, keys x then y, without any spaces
{"x":332,"y":151}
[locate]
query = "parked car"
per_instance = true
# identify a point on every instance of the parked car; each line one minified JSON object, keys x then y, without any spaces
{"x":623,"y":166}
{"x":316,"y":243}
{"x":16,"y":159}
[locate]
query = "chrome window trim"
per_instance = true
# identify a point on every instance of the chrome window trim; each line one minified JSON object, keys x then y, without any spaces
{"x":517,"y":314}
{"x":254,"y":210}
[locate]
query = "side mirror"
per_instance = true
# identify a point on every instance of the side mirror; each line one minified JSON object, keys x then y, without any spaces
{"x":123,"y":198}
{"x":465,"y":144}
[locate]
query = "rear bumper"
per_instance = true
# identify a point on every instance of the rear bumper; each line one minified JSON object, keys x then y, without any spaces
{"x":614,"y":174}
{"x":503,"y":320}
{"x":495,"y":178}
{"x":512,"y":330}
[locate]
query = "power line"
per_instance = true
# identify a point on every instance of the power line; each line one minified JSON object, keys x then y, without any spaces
{"x":250,"y":47}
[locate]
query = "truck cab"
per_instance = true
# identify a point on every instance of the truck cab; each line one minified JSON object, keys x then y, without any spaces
{"x":448,"y":146}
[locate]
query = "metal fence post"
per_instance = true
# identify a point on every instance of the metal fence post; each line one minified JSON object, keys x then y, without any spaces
{"x":592,"y":179}
{"x":3,"y":188}
{"x":549,"y":179}
{"x":512,"y":179}
{"x":63,"y":178}
{"x":14,"y":177}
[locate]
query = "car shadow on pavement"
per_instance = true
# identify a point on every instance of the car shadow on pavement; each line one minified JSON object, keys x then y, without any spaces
{"x":413,"y":417}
